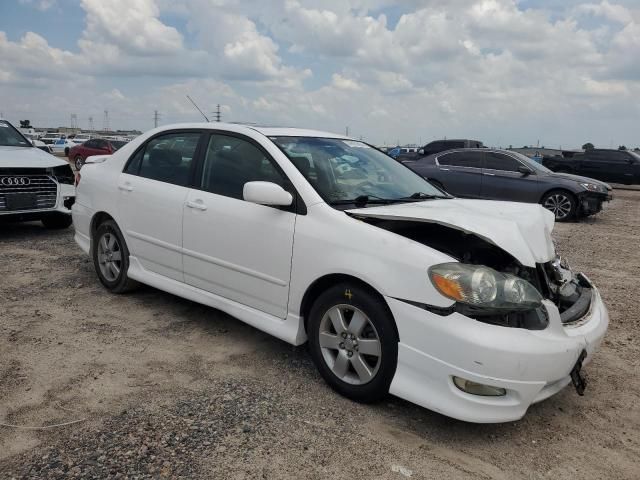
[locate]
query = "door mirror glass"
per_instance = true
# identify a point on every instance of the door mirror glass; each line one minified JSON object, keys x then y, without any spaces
{"x":266,"y":193}
{"x":525,"y":170}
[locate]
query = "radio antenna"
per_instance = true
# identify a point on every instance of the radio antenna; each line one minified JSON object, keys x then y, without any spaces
{"x":198,"y":108}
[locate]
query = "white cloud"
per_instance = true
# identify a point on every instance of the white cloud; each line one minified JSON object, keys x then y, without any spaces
{"x":131,"y":25}
{"x":344,"y":83}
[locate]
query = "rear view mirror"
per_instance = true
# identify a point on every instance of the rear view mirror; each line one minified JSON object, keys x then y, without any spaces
{"x":266,"y":193}
{"x":525,"y":170}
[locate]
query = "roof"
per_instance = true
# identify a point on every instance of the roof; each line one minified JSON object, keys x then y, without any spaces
{"x":264,"y":130}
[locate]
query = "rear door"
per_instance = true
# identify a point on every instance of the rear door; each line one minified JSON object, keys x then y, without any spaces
{"x":460,"y":172}
{"x":152,"y":191}
{"x":501,"y":179}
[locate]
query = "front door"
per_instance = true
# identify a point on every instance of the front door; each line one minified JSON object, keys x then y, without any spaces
{"x":152,"y":191}
{"x":501,"y":179}
{"x":236,"y":249}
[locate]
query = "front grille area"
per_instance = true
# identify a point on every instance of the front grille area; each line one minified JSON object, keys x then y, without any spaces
{"x":20,"y":191}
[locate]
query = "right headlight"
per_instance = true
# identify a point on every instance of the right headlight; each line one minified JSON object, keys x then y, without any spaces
{"x":483,"y":287}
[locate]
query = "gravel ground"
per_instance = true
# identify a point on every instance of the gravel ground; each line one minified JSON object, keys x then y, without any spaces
{"x":164,"y":388}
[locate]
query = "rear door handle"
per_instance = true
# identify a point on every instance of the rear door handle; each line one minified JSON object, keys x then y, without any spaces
{"x":198,"y":205}
{"x":126,"y":187}
{"x":490,"y":174}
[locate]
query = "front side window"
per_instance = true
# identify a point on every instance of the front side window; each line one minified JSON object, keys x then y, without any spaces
{"x":499,"y":161}
{"x":166,"y":158}
{"x":343,"y":171}
{"x":230,"y":162}
{"x":461,"y":159}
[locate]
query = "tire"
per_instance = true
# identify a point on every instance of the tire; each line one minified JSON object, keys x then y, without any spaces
{"x":341,"y":361}
{"x":562,"y":203}
{"x":66,"y":152}
{"x":78,"y":162}
{"x":57,"y":221}
{"x":111,"y":258}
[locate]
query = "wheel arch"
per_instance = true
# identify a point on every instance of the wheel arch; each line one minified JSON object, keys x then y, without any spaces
{"x":97,"y":219}
{"x":326,"y":281}
{"x":557,"y":189}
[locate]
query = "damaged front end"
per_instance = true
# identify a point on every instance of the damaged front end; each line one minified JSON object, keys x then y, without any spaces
{"x":552,"y":280}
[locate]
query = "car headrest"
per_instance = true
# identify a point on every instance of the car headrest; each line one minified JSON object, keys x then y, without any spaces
{"x":165,"y":156}
{"x":302,"y":163}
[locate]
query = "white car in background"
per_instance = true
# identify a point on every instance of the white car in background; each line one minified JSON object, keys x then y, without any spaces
{"x":460,"y":306}
{"x":34,"y":185}
{"x":62,"y":146}
{"x":81,"y":138}
{"x":51,"y":137}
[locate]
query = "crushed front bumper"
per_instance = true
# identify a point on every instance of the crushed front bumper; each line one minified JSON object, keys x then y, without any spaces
{"x":590,"y":203}
{"x":530,"y":365}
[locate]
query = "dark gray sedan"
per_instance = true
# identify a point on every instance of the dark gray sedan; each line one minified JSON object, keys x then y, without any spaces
{"x":506,"y":175}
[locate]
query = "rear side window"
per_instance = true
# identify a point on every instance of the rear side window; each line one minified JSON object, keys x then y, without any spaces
{"x":461,"y":159}
{"x":230,"y":162}
{"x":499,"y":161}
{"x":166,"y":158}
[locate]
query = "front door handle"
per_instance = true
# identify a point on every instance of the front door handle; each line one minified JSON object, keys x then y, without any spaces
{"x":126,"y":187}
{"x":490,"y":174}
{"x":198,"y":205}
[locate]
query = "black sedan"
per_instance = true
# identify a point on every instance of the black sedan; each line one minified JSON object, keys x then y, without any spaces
{"x":505,"y":175}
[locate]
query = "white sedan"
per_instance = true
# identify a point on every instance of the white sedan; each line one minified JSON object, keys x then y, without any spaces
{"x":460,"y":306}
{"x":62,"y":146}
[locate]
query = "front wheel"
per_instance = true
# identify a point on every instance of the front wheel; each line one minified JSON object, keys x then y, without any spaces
{"x":561,"y":203}
{"x":353,"y":342}
{"x":78,"y":161}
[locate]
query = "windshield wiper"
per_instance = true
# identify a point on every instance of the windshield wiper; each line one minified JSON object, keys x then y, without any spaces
{"x":421,"y":196}
{"x":363,"y":200}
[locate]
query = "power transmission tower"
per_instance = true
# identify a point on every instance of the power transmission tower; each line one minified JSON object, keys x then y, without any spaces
{"x":74,"y":121}
{"x":156,"y":118}
{"x":218,"y":113}
{"x":105,"y":122}
{"x":91,"y":124}
{"x":346,"y":131}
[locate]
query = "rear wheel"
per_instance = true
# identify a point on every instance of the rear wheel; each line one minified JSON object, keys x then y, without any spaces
{"x":353,"y":342}
{"x":78,"y":161}
{"x":561,"y":203}
{"x":111,"y":258}
{"x":57,"y":221}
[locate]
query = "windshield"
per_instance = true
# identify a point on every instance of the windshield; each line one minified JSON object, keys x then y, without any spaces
{"x":346,"y":171}
{"x":538,"y":167}
{"x":635,"y":155}
{"x":10,"y":137}
{"x":117,"y":144}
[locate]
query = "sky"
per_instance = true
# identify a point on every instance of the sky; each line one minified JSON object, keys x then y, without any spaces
{"x":507,"y":72}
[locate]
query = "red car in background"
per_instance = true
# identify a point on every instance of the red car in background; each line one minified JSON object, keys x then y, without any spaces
{"x":95,"y":146}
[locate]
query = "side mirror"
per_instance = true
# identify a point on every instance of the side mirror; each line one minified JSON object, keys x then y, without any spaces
{"x":421,"y":151}
{"x":266,"y":193}
{"x":525,"y":170}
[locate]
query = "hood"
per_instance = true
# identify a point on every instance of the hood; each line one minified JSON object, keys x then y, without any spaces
{"x":27,"y":157}
{"x":520,"y":229}
{"x":579,"y":179}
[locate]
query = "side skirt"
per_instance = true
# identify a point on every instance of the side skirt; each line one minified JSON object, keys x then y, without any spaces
{"x":290,"y":330}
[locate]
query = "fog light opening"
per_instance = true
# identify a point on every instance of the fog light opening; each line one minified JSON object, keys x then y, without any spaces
{"x":474,"y":388}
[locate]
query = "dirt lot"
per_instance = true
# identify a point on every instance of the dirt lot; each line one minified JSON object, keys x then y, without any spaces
{"x":166,"y":387}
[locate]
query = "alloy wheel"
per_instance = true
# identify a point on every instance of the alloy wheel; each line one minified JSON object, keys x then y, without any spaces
{"x":109,"y":257}
{"x":559,"y":204}
{"x":350,"y":344}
